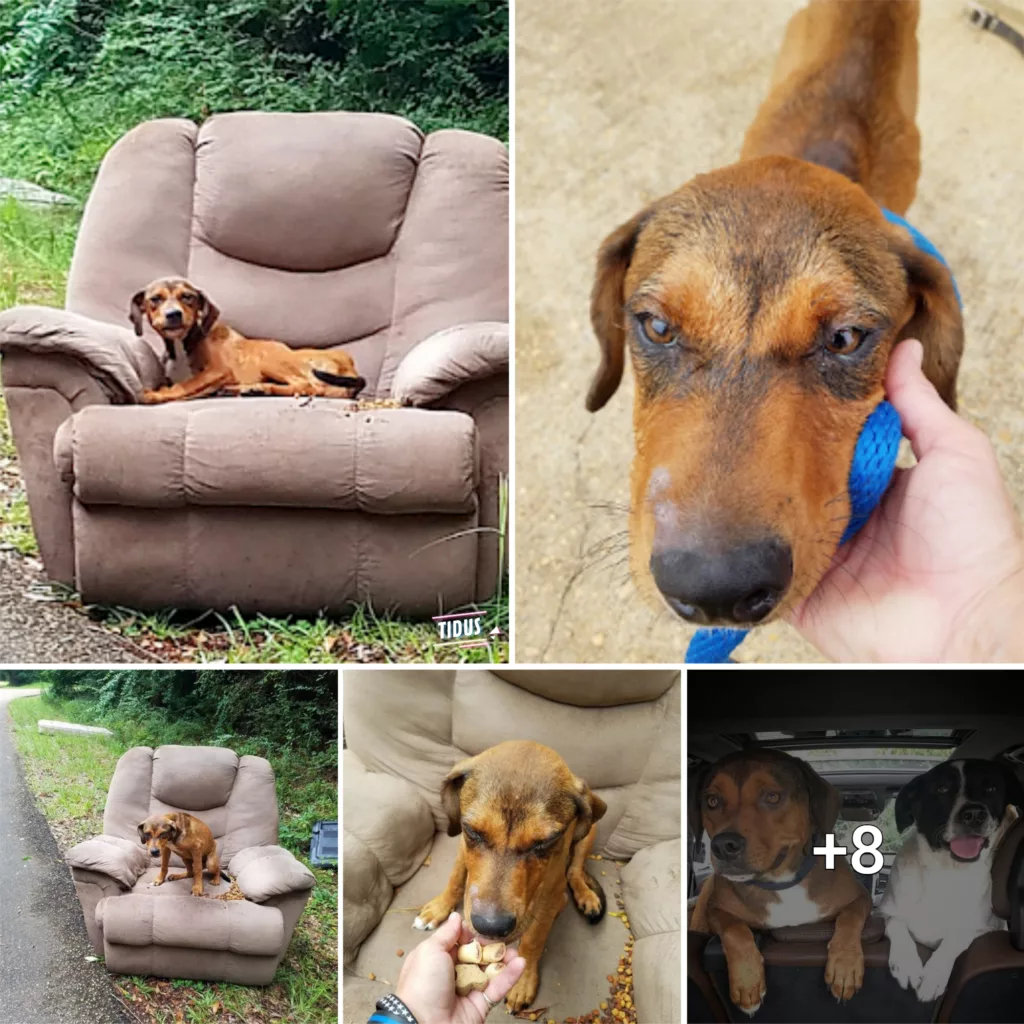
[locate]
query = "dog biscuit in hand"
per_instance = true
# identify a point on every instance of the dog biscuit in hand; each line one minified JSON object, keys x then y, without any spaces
{"x":469,"y":978}
{"x":493,"y":970}
{"x":493,"y":953}
{"x":470,"y":953}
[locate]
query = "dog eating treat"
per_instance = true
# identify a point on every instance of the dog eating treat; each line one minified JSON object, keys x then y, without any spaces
{"x":188,"y":837}
{"x":527,"y":825}
{"x":222,"y":360}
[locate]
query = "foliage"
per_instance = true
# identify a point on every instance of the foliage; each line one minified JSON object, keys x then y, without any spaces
{"x":75,"y":75}
{"x":288,"y":709}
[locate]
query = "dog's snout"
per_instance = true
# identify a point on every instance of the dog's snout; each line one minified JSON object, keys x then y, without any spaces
{"x":172,"y":316}
{"x":973,"y":815}
{"x":741,"y":584}
{"x":728,"y":845}
{"x":493,"y":923}
{"x":153,"y":852}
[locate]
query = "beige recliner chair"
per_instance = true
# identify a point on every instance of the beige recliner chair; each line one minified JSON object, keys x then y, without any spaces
{"x":619,"y":730}
{"x":320,"y":230}
{"x":164,"y":930}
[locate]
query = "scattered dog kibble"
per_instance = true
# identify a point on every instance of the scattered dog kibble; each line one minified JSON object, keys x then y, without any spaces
{"x":373,"y":977}
{"x":399,"y":952}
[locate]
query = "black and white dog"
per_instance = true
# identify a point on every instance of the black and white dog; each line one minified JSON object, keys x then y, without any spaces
{"x":940,"y":888}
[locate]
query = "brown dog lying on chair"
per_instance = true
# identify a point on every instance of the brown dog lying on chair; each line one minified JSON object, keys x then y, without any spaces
{"x":222,"y":360}
{"x":527,"y":826}
{"x":188,"y":837}
{"x":760,"y":303}
{"x":764,"y":812}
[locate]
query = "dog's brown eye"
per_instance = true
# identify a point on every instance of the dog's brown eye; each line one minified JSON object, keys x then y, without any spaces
{"x":188,"y":298}
{"x":712,"y":801}
{"x":846,"y":341}
{"x":772,"y":798}
{"x":471,"y":834}
{"x":655,"y":329}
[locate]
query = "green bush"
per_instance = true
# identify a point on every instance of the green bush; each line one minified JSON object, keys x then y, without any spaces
{"x":75,"y":75}
{"x":294,"y":710}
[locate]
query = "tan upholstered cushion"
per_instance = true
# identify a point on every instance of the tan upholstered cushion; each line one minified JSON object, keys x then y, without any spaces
{"x":120,"y":859}
{"x":263,"y":872}
{"x":592,"y":687}
{"x":272,"y":451}
{"x":192,"y":922}
{"x":193,"y":778}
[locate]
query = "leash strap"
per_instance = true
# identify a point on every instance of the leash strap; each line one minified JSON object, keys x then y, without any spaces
{"x":874,"y":460}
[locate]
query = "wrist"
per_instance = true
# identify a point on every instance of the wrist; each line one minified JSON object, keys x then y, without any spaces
{"x":992,"y":628}
{"x":392,"y":1010}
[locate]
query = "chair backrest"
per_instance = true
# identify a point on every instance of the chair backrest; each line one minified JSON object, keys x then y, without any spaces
{"x":618,"y":730}
{"x":317,"y":229}
{"x":235,"y":796}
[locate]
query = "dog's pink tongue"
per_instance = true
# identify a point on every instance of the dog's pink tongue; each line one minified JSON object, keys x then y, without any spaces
{"x":967,"y":847}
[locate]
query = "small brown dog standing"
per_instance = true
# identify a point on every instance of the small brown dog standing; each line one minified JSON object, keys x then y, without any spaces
{"x":188,"y":837}
{"x":764,"y":811}
{"x":527,"y":826}
{"x":760,"y":303}
{"x":221,"y":359}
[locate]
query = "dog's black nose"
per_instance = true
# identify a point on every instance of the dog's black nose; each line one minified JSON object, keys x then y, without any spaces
{"x":742,"y":584}
{"x":973,"y":815}
{"x":728,"y":845}
{"x":154,"y":853}
{"x":173,"y":316}
{"x":495,"y":924}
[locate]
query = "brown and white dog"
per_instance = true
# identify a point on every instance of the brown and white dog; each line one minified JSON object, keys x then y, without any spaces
{"x":222,"y":360}
{"x":188,"y":837}
{"x":527,"y":826}
{"x":759,"y":304}
{"x":764,"y":812}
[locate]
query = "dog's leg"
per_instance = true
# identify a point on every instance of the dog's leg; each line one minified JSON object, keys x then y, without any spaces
{"x":743,"y":959}
{"x":531,"y":947}
{"x":202,"y":384}
{"x":213,"y":866}
{"x":935,"y":974}
{"x":196,"y":865}
{"x":904,"y":962}
{"x":844,"y":969}
{"x":438,"y":910}
{"x":586,"y":891}
{"x":165,"y":860}
{"x":187,"y":873}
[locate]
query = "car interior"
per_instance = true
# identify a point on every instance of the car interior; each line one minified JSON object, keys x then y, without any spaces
{"x":868,"y":734}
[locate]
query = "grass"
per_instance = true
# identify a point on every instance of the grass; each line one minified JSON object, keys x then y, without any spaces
{"x":69,"y":776}
{"x":35,"y":253}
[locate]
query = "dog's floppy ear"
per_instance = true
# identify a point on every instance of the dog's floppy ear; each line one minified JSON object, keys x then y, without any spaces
{"x":936,"y":320}
{"x":451,"y":794}
{"x":824,"y":800}
{"x":906,"y":801}
{"x":606,"y":314}
{"x":135,"y":310}
{"x":695,"y":811}
{"x":142,"y":832}
{"x":1014,"y":787}
{"x":208,"y":312}
{"x":179,"y":825}
{"x":590,"y":808}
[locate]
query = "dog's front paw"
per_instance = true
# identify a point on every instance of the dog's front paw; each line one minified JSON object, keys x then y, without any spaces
{"x":433,"y":914}
{"x":524,"y":991}
{"x":152,"y":397}
{"x":906,"y":969}
{"x":158,"y":881}
{"x":934,"y":979}
{"x":747,"y":986}
{"x":844,"y":972}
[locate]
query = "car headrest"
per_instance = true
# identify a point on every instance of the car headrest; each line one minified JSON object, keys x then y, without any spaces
{"x":1006,"y":870}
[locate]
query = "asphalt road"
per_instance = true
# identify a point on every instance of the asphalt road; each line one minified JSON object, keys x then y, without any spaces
{"x":44,"y":977}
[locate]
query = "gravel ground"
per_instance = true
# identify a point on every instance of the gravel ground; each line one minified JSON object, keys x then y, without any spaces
{"x":44,"y":977}
{"x":46,"y":631}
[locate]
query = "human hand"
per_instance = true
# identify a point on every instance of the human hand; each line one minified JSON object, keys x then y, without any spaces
{"x":427,"y":982}
{"x":937,"y":572}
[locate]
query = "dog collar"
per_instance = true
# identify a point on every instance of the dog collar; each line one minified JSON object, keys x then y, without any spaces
{"x":874,"y":459}
{"x":802,"y":873}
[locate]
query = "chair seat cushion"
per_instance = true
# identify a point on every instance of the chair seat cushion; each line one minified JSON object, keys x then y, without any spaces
{"x":191,"y":922}
{"x":271,"y":452}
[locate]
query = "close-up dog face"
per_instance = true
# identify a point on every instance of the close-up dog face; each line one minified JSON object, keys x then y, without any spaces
{"x":959,"y":805}
{"x":173,"y":306}
{"x":759,"y":304}
{"x":760,"y":809}
{"x":519,"y":809}
{"x":157,"y":830}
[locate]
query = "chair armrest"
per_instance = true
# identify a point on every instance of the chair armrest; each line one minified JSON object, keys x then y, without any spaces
{"x":265,"y":871}
{"x":450,"y":358}
{"x":120,"y":859}
{"x":123,"y":364}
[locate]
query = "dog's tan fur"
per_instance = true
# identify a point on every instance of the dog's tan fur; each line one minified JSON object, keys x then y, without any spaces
{"x":188,"y":837}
